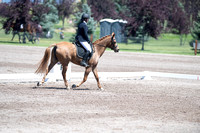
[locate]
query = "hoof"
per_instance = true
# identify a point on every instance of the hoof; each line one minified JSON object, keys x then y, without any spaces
{"x":74,"y":86}
{"x":101,"y":89}
{"x":68,"y":88}
{"x":35,"y":87}
{"x":39,"y":84}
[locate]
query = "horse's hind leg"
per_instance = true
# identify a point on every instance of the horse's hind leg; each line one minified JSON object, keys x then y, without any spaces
{"x":51,"y":65}
{"x":64,"y":76}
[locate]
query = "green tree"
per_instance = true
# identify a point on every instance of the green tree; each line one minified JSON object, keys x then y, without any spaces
{"x":196,"y":28}
{"x":50,"y":18}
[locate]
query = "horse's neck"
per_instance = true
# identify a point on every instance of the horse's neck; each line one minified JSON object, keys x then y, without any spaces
{"x":101,"y":46}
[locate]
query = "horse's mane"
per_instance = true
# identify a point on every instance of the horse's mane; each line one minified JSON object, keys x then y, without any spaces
{"x":97,"y":41}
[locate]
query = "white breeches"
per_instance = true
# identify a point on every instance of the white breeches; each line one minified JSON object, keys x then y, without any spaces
{"x":87,"y":46}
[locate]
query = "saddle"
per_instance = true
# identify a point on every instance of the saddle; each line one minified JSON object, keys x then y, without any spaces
{"x":80,"y":50}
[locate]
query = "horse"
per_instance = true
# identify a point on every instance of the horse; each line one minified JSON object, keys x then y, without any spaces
{"x":23,"y":28}
{"x":65,"y":52}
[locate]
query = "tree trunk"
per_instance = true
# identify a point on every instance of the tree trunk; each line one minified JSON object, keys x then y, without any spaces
{"x":181,"y":39}
{"x":142,"y":42}
{"x":63,"y":23}
{"x":185,"y":39}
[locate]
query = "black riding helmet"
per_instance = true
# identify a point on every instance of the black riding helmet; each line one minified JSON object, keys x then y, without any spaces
{"x":85,"y":16}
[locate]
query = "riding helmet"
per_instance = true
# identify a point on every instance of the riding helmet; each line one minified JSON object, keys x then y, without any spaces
{"x":85,"y":16}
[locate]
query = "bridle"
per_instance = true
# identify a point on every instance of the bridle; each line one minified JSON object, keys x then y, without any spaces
{"x":113,"y":42}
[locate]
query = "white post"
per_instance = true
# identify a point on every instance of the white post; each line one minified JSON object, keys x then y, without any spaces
{"x":56,"y":73}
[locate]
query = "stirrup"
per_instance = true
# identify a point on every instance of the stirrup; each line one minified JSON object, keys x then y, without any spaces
{"x":83,"y":63}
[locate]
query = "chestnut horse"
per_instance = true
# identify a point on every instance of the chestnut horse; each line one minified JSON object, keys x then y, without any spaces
{"x":65,"y":52}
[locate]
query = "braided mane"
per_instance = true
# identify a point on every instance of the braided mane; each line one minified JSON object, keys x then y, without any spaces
{"x":97,"y":41}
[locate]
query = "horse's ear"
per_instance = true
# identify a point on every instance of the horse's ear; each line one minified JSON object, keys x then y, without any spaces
{"x":113,"y":34}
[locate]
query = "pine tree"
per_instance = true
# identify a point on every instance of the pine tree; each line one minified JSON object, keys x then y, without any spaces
{"x":50,"y":18}
{"x":196,"y":28}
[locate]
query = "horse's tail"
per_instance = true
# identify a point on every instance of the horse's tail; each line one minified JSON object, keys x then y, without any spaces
{"x":45,"y":60}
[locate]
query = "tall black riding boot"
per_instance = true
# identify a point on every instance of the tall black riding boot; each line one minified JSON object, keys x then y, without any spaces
{"x":84,"y":61}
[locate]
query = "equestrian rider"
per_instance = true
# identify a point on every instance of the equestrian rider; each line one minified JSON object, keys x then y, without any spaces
{"x":82,"y":37}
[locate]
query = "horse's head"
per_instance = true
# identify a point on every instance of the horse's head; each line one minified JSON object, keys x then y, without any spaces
{"x":113,"y":43}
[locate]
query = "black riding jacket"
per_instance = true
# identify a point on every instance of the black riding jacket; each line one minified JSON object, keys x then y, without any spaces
{"x":82,"y":34}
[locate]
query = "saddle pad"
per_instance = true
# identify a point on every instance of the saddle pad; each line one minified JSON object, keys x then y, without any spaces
{"x":80,"y":50}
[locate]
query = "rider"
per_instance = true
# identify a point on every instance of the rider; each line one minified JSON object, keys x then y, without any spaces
{"x":82,"y":37}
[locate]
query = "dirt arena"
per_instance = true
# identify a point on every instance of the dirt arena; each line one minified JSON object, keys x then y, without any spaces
{"x":126,"y":105}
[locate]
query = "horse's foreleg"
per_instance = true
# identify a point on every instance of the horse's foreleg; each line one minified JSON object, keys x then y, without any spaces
{"x":94,"y":70}
{"x":13,"y":37}
{"x":87,"y":71}
{"x":64,"y":77}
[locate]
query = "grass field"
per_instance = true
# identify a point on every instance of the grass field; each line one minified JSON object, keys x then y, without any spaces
{"x":166,"y":43}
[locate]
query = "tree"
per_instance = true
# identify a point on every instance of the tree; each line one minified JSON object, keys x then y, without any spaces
{"x":178,"y":20}
{"x":102,"y":9}
{"x":4,"y":10}
{"x":22,"y":12}
{"x":38,"y":12}
{"x":120,"y":6}
{"x":65,"y":8}
{"x":84,"y":1}
{"x":17,"y":13}
{"x":191,"y":7}
{"x":149,"y":16}
{"x":196,"y":28}
{"x":50,"y":18}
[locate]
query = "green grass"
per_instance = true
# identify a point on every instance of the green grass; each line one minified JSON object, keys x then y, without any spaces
{"x":6,"y":39}
{"x":166,"y":44}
